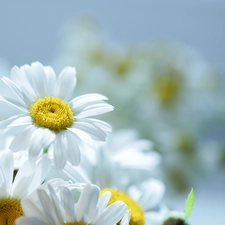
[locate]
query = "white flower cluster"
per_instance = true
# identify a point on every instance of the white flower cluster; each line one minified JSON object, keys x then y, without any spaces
{"x":60,"y":166}
{"x":165,"y":90}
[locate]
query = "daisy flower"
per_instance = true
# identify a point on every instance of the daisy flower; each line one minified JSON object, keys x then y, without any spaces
{"x":63,"y":209}
{"x":49,"y":118}
{"x":142,"y":198}
{"x":29,"y":176}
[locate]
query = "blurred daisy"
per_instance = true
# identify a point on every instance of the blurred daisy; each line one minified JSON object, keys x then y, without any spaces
{"x":65,"y":210}
{"x":48,"y":118}
{"x":111,"y":163}
{"x":28,"y":178}
{"x":175,"y":217}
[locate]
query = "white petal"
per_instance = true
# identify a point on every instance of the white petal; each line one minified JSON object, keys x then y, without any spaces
{"x":14,"y":88}
{"x":36,"y":75}
{"x":73,"y":148}
{"x":60,"y":157}
{"x":41,"y":138}
{"x":93,"y":131}
{"x":50,"y":80}
{"x":80,"y":102}
{"x":68,"y":203}
{"x":151,"y":197}
{"x":126,"y":219}
{"x":22,"y":121}
{"x":82,"y":136}
{"x":47,"y":205}
{"x":87,"y":203}
{"x":3,"y":189}
{"x":29,"y":221}
{"x":41,"y":171}
{"x":95,"y":109}
{"x":31,"y":209}
{"x":20,"y":142}
{"x":5,"y":123}
{"x":22,"y":180}
{"x":66,"y":83}
{"x":112,"y":214}
{"x":102,"y":203}
{"x":57,"y":207}
{"x":7,"y":165}
{"x":20,"y":78}
{"x":99,"y":123}
{"x":76,"y":174}
{"x":14,"y":103}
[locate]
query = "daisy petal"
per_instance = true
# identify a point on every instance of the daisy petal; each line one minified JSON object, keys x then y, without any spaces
{"x":50,"y":80}
{"x":14,"y":103}
{"x":68,"y":203}
{"x":14,"y":88}
{"x":19,"y":77}
{"x":87,"y":202}
{"x":41,"y":172}
{"x":41,"y":138}
{"x":20,"y":141}
{"x":22,"y":180}
{"x":112,"y":214}
{"x":7,"y":166}
{"x":48,"y":206}
{"x":29,"y":221}
{"x":73,"y":148}
{"x":93,"y":131}
{"x":5,"y":123}
{"x":80,"y":102}
{"x":30,"y":208}
{"x":66,"y":83}
{"x":96,"y":109}
{"x":59,"y":152}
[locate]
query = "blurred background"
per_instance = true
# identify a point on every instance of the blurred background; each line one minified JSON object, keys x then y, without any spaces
{"x":161,"y":63}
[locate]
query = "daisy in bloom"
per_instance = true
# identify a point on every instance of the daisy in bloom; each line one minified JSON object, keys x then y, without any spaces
{"x":49,"y":118}
{"x":29,"y":176}
{"x":63,"y":209}
{"x":142,"y":198}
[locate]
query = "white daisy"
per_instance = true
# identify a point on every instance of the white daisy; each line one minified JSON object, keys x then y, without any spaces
{"x":142,"y":199}
{"x":28,"y":178}
{"x":49,"y":118}
{"x":52,"y":209}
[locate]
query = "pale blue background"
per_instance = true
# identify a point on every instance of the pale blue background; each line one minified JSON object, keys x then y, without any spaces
{"x":31,"y":30}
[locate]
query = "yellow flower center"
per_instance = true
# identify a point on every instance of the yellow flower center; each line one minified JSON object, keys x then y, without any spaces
{"x":10,"y":210}
{"x":75,"y":223}
{"x":52,"y":113}
{"x":167,"y":87}
{"x":136,"y":212}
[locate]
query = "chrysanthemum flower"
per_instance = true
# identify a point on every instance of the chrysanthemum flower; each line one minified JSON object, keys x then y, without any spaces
{"x":65,"y":210}
{"x":49,"y":118}
{"x":28,"y":178}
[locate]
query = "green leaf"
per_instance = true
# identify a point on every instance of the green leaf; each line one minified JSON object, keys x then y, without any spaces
{"x":190,"y":203}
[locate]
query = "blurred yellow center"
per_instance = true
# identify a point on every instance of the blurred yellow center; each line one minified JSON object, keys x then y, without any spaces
{"x":167,"y":87}
{"x":136,"y":212}
{"x":75,"y":223}
{"x":10,"y":210}
{"x":52,"y":113}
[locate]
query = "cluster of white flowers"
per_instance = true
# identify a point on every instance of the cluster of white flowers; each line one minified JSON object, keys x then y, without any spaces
{"x":70,"y":170}
{"x":165,"y":90}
